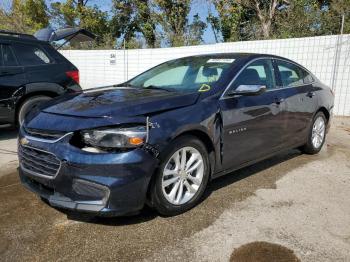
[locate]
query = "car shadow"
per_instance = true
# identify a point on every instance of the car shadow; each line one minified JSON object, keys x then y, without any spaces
{"x":147,"y":214}
{"x":8,"y":133}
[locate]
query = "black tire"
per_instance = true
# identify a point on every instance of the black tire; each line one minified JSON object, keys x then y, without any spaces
{"x":158,"y":200}
{"x":309,"y":147}
{"x":27,"y":105}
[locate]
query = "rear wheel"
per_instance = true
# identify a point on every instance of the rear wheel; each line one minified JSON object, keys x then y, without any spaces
{"x":317,"y":134}
{"x":28,"y":105}
{"x":182,"y":177}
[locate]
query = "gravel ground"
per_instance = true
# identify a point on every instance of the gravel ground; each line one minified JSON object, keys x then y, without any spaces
{"x":295,"y":202}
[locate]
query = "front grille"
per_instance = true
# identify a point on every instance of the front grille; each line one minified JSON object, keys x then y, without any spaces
{"x":38,"y":162}
{"x":44,"y":134}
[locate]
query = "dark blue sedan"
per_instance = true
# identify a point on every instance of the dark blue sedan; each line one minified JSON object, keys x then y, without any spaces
{"x":160,"y":137}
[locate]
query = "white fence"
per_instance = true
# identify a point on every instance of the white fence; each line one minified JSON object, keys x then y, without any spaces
{"x":328,"y":57}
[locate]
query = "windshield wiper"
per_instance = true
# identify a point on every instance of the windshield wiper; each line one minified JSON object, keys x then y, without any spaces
{"x":160,"y":88}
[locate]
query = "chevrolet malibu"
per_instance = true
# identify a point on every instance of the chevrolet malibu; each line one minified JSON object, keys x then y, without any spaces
{"x":159,"y":138}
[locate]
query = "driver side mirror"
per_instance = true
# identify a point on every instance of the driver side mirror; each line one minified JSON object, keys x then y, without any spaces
{"x":248,"y":90}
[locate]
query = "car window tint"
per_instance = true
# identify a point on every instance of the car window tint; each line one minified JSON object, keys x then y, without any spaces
{"x":8,"y":56}
{"x":173,"y":76}
{"x":31,"y":55}
{"x":307,"y":77}
{"x":258,"y":73}
{"x":291,"y":75}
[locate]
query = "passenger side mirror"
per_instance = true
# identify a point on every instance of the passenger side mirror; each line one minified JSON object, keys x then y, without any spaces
{"x":248,"y":90}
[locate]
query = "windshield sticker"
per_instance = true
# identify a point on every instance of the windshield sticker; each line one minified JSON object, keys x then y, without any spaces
{"x":204,"y":88}
{"x":221,"y":60}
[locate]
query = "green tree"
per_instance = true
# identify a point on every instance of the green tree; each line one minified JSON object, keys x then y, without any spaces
{"x":331,"y":17}
{"x":300,"y":18}
{"x":78,"y":14}
{"x":173,"y":19}
{"x":266,"y":13}
{"x":232,"y":19}
{"x":123,"y":22}
{"x":26,"y":16}
{"x":134,"y":16}
{"x":146,"y":22}
{"x":196,"y":31}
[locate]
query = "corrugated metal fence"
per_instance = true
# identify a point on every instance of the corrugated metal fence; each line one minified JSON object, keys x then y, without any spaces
{"x":328,"y":57}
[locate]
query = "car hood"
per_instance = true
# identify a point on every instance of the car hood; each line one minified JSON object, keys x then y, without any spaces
{"x":122,"y":102}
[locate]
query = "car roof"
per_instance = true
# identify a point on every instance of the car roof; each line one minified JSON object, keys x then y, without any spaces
{"x":26,"y":39}
{"x":238,"y":55}
{"x":246,"y":57}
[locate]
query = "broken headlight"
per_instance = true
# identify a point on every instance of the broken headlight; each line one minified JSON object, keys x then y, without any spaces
{"x":115,"y":138}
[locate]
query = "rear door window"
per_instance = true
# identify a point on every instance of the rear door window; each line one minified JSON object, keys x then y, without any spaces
{"x":292,"y":75}
{"x":8,"y":58}
{"x":31,"y":55}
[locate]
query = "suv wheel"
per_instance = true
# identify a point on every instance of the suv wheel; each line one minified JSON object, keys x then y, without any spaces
{"x":181,"y":178}
{"x":317,"y":135}
{"x":28,"y":104}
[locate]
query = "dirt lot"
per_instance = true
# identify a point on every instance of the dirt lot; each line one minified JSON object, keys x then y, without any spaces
{"x":292,"y":205}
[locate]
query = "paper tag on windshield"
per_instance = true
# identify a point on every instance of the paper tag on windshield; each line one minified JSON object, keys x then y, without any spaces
{"x":221,"y":60}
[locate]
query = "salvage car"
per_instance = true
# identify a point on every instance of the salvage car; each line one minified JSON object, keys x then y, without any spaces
{"x":159,"y":138}
{"x":33,"y":71}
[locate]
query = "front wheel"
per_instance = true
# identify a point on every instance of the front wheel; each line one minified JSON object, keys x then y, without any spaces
{"x":317,"y":135}
{"x":181,"y":178}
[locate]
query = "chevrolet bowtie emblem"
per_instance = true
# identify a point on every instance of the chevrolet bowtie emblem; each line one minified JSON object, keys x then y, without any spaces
{"x":24,"y":141}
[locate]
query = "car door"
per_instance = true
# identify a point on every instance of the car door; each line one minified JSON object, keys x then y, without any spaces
{"x":299,"y":100}
{"x":12,"y":78}
{"x":252,"y":125}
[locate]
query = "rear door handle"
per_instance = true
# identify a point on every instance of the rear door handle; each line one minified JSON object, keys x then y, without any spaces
{"x":279,"y":101}
{"x":6,"y":73}
{"x":311,"y":94}
{"x":13,"y":71}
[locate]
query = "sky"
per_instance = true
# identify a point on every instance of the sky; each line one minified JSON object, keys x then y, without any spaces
{"x":198,"y":6}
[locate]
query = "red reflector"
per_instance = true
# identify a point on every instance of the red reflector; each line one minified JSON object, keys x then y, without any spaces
{"x":74,"y":75}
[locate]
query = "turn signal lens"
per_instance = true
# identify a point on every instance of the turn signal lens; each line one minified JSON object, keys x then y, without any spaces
{"x":136,"y":141}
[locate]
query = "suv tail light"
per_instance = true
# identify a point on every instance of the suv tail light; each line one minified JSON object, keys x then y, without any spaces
{"x":73,"y":75}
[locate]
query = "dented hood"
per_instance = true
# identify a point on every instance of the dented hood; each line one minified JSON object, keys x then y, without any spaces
{"x":114,"y":102}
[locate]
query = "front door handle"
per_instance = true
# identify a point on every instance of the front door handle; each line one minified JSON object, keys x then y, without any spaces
{"x":311,"y":94}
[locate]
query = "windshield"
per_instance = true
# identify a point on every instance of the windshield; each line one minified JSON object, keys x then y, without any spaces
{"x":184,"y":75}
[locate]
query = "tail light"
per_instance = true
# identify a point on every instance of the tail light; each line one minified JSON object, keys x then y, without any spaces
{"x":74,"y":75}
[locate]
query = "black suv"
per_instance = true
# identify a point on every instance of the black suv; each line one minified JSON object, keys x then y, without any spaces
{"x":32,"y":71}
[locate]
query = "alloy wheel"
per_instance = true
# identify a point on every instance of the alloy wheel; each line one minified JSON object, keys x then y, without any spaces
{"x":182,"y":175}
{"x":318,"y":132}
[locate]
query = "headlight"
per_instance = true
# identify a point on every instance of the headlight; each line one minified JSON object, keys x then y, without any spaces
{"x":115,"y":138}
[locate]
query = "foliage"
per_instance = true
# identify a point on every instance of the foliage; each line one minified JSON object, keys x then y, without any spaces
{"x":173,"y":17}
{"x":24,"y":16}
{"x":196,"y":31}
{"x":77,"y":14}
{"x":155,"y":23}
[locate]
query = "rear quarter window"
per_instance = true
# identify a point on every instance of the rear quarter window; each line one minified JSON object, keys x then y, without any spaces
{"x":31,"y":55}
{"x":54,"y":53}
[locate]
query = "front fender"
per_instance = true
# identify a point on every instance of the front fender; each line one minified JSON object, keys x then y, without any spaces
{"x":169,"y":125}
